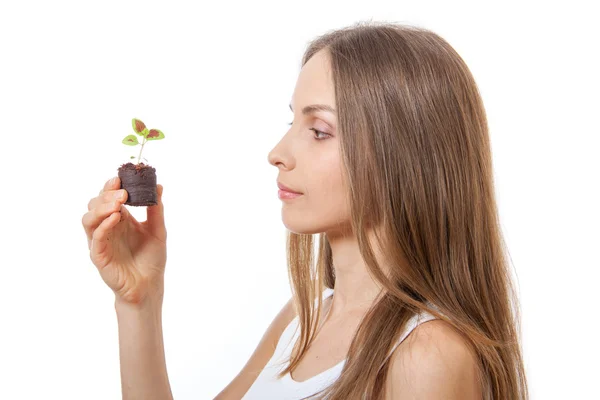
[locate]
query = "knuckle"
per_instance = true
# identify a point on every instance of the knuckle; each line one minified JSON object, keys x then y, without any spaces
{"x":108,"y":196}
{"x":97,"y":232}
{"x":99,"y":211}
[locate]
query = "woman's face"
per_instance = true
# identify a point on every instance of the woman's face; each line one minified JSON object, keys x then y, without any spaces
{"x":309,"y":162}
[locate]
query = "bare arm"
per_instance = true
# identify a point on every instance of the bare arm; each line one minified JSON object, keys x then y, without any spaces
{"x":435,"y":362}
{"x":141,"y":350}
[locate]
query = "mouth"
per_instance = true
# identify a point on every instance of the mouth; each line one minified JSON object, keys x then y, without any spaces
{"x":284,"y":188}
{"x":286,"y":193}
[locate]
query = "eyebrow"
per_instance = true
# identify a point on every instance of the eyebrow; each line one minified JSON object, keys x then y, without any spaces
{"x":316,"y":107}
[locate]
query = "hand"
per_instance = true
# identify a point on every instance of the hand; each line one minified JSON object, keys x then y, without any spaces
{"x":130,"y":255}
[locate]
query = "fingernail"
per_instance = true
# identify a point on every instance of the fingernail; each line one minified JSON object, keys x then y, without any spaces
{"x":112,"y":181}
{"x":119,"y":194}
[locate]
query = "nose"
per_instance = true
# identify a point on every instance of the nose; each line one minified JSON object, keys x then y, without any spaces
{"x":279,"y":158}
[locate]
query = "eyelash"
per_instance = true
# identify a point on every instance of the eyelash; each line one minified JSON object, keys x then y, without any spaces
{"x":316,"y":131}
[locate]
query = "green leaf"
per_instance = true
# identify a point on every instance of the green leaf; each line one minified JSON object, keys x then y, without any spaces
{"x":130,"y":140}
{"x":138,"y":126}
{"x":155,"y":134}
{"x":131,"y":156}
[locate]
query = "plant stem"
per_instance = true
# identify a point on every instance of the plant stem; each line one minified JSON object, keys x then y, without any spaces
{"x":143,"y":143}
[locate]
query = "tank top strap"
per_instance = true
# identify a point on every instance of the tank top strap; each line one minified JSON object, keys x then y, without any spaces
{"x":326,"y":293}
{"x":411,"y":324}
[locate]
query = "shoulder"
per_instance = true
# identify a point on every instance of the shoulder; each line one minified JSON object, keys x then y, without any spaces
{"x":435,"y":361}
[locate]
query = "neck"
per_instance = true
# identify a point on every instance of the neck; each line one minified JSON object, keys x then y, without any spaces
{"x":355,"y":290}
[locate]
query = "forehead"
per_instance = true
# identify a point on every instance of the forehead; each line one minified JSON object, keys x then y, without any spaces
{"x":315,"y":83}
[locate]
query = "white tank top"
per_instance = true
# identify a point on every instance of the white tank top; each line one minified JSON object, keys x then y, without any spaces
{"x":267,"y":386}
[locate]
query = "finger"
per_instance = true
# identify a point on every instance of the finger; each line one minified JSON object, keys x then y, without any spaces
{"x":107,"y":197}
{"x":92,"y":219}
{"x":126,"y":215}
{"x":155,"y":215}
{"x":100,"y":237}
{"x":113,"y":183}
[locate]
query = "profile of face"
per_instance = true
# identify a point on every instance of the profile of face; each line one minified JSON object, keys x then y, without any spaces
{"x":308,"y":155}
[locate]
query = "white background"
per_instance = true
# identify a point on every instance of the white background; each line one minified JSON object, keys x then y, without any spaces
{"x":217,"y":80}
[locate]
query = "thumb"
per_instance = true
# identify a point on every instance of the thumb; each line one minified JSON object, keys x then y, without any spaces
{"x":155,"y":216}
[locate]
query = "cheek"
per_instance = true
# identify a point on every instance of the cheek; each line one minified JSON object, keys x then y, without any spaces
{"x":324,"y":206}
{"x":330,"y":201}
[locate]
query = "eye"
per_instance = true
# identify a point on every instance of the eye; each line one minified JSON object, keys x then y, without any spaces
{"x":316,"y":132}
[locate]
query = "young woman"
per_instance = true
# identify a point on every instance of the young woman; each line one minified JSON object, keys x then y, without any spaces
{"x":388,"y":164}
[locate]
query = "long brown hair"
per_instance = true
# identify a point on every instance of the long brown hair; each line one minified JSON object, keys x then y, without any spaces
{"x":417,"y":160}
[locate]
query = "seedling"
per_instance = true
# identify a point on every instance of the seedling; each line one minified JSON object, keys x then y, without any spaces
{"x":139,"y":180}
{"x":147,"y":134}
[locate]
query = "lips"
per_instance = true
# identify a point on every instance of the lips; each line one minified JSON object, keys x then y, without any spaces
{"x":287,"y":189}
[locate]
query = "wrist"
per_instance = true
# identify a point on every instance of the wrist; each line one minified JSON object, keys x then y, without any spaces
{"x":150,"y":303}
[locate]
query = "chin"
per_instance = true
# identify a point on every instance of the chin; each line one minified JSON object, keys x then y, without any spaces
{"x":300,"y":224}
{"x":302,"y":229}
